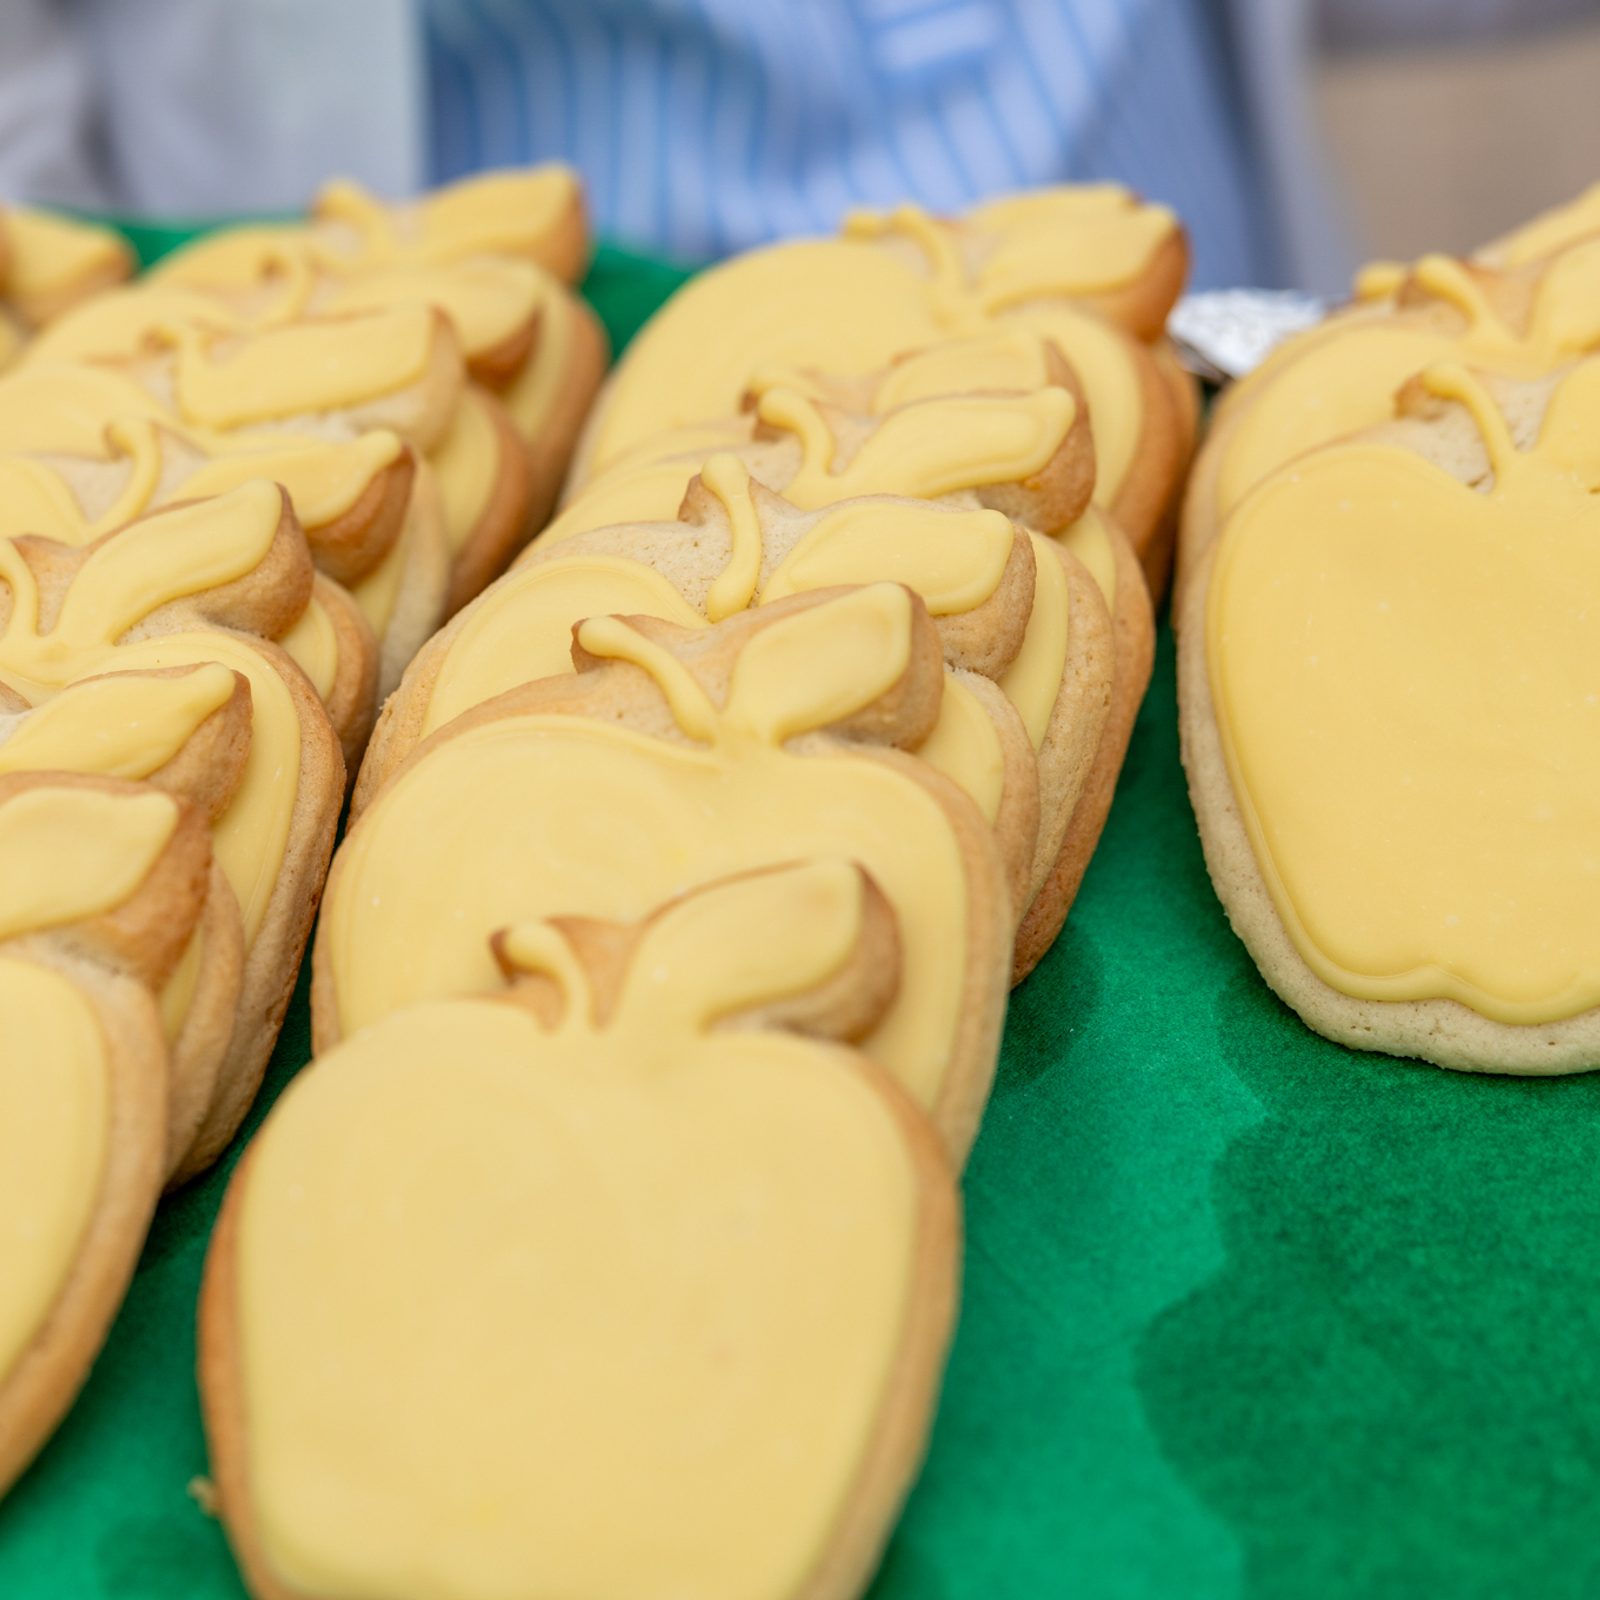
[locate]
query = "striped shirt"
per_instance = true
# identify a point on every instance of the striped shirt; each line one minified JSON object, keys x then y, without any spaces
{"x":706,"y":126}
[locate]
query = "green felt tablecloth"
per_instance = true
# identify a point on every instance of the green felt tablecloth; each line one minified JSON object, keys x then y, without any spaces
{"x":1245,"y":1314}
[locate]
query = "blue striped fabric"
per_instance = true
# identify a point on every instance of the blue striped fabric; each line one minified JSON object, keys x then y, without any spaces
{"x":706,"y":126}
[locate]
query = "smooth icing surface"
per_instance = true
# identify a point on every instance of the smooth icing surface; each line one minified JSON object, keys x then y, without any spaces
{"x":555,"y":794}
{"x":466,"y":467}
{"x":1070,"y":241}
{"x":965,"y":747}
{"x":71,"y":426}
{"x":68,"y":854}
{"x":1409,"y":695}
{"x":847,"y":306}
{"x":117,"y":727}
{"x":50,"y":254}
{"x":53,"y":1127}
{"x":532,"y":394}
{"x":287,"y":371}
{"x":954,"y":559}
{"x":313,"y":646}
{"x":1032,"y":683}
{"x":481,"y":1214}
{"x":165,"y":558}
{"x":926,"y":449}
{"x":507,"y":212}
{"x":1090,"y":541}
{"x":1345,"y":380}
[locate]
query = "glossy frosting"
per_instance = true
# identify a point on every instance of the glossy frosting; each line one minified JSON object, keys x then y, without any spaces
{"x":1408,"y":690}
{"x":1343,"y":380}
{"x":479,"y":1213}
{"x":891,"y":284}
{"x":165,"y":558}
{"x":53,"y":1129}
{"x":557,"y":800}
{"x":954,"y":559}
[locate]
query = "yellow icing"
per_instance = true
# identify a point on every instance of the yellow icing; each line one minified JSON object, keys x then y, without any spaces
{"x":54,"y":1113}
{"x":927,"y":449}
{"x":1007,"y":359}
{"x":1345,"y":380}
{"x":848,"y":306}
{"x":49,"y":254}
{"x":1090,"y":541}
{"x":56,"y":406}
{"x":323,"y":477}
{"x":466,"y":466}
{"x":313,"y":646}
{"x":521,"y":629}
{"x":68,"y":854}
{"x":506,"y":213}
{"x":377,"y":595}
{"x":953,"y":559}
{"x":288,"y":371}
{"x":555,"y":1191}
{"x":164,"y":558}
{"x":1420,"y":776}
{"x":1552,"y":231}
{"x":120,"y":726}
{"x":533,"y":392}
{"x":553,"y":796}
{"x":488,"y":301}
{"x":965,"y":747}
{"x":1032,"y":683}
{"x":1068,"y":241}
{"x":121,"y":323}
{"x":635,"y":491}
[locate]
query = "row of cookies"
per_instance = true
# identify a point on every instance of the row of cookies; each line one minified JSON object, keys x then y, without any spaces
{"x":1388,"y":683}
{"x":795,"y":730}
{"x":414,"y":374}
{"x":197,"y":526}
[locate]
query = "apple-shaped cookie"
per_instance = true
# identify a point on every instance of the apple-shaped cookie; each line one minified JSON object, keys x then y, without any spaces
{"x":1091,"y":270}
{"x":1028,"y":644}
{"x":101,"y":883}
{"x":213,"y":582}
{"x":679,"y":756}
{"x":618,"y":1287}
{"x":1391,"y":713}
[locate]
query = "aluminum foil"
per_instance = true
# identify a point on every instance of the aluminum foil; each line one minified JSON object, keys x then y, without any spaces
{"x":1221,"y":335}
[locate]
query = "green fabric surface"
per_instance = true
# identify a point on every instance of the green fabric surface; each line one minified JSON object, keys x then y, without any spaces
{"x":1244,"y":1314}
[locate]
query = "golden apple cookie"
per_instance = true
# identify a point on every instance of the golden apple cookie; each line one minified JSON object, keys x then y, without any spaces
{"x":213,"y":582}
{"x":101,"y":883}
{"x":678,"y":754}
{"x":1517,"y":312}
{"x":629,"y":1139}
{"x":1027,"y":639}
{"x":995,"y":420}
{"x":491,"y":255}
{"x":1090,"y":270}
{"x":186,"y":731}
{"x":83,"y":452}
{"x":1388,"y":694}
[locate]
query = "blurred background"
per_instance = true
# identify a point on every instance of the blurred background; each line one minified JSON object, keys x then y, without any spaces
{"x":1296,"y":137}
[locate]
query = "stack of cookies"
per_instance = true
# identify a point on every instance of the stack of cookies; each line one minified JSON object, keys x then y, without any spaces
{"x":1389,"y":576}
{"x":660,"y":977}
{"x":235,"y":495}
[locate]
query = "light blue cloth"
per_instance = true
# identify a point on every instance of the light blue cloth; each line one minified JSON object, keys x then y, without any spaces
{"x":705,"y":126}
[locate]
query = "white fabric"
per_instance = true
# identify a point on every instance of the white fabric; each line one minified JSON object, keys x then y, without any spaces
{"x":197,"y":107}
